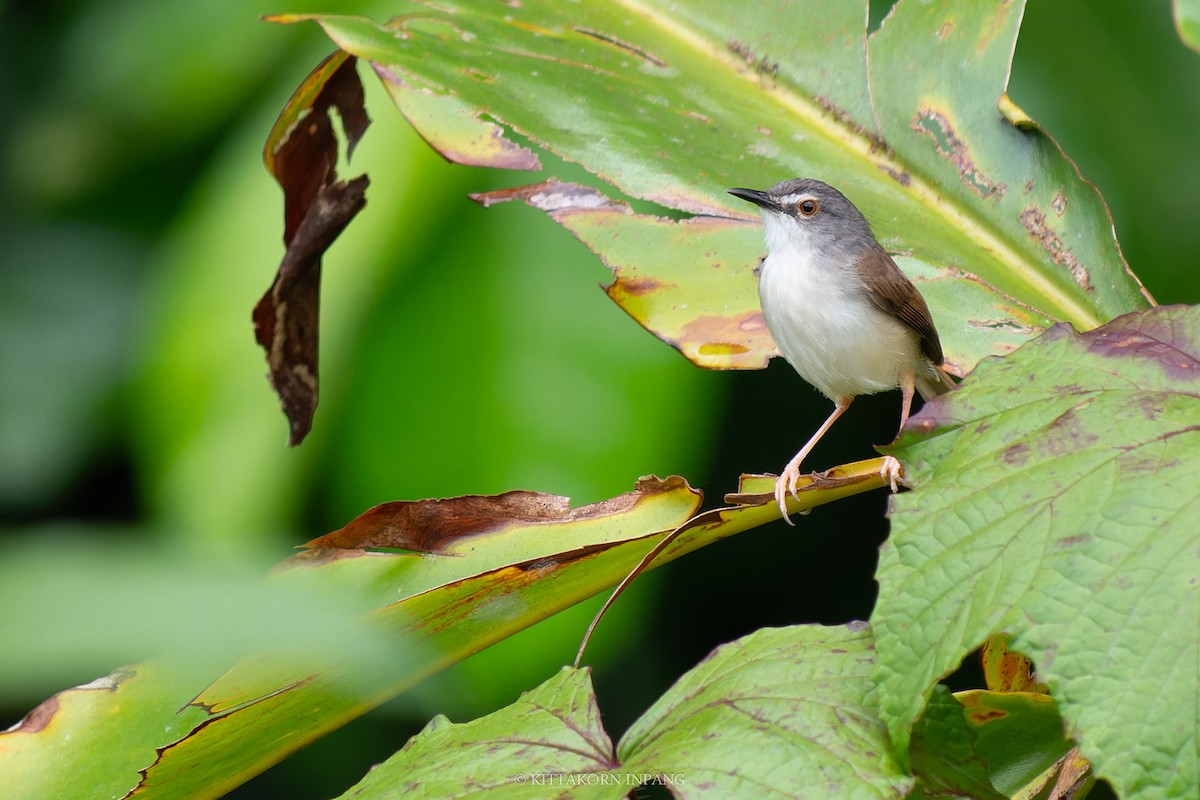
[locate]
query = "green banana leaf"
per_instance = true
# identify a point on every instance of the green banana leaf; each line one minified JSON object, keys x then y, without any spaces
{"x":674,"y":103}
{"x":668,"y":107}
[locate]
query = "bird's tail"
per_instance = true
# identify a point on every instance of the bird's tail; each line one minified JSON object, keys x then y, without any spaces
{"x":936,"y":381}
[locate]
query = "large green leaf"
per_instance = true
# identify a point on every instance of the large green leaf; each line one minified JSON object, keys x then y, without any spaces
{"x":778,"y":713}
{"x":783,"y":712}
{"x":449,"y":577}
{"x":674,"y":103}
{"x":549,"y":743}
{"x":1063,"y":514}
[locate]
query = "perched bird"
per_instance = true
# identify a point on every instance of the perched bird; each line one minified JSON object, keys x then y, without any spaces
{"x":840,"y":310}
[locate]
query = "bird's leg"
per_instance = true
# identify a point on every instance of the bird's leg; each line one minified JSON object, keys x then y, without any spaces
{"x":786,"y":484}
{"x":891,"y":471}
{"x":908,"y":384}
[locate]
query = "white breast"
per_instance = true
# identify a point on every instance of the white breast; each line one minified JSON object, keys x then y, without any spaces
{"x":824,"y":325}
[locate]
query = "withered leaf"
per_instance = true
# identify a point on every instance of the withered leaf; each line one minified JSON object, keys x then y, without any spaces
{"x":301,"y":153}
{"x":432,"y":526}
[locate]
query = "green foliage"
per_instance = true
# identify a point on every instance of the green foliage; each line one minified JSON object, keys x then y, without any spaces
{"x":421,"y":283}
{"x":776,"y":710}
{"x":995,"y":224}
{"x":364,"y":613}
{"x":1056,"y":501}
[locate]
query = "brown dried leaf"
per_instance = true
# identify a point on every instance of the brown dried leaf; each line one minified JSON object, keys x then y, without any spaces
{"x":302,"y":153}
{"x":434,"y":526}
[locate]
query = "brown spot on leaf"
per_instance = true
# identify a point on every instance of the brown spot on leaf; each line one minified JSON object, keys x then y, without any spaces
{"x":936,"y":125}
{"x":1148,"y":338}
{"x":37,"y":719}
{"x":1017,"y":454}
{"x":878,"y":143}
{"x":430,"y":526}
{"x":1059,"y":202}
{"x":728,"y":340}
{"x":980,"y":716}
{"x":1005,"y":670}
{"x":609,"y":39}
{"x":759,"y":64}
{"x":632,"y":287}
{"x":1068,"y":432}
{"x":921,"y":425}
{"x":1035,"y":223}
{"x":1150,"y":405}
{"x":317,"y":208}
{"x":899,"y":176}
{"x":946,"y":29}
{"x":741,"y":51}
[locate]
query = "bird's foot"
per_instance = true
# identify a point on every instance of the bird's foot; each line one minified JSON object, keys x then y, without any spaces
{"x":785,"y":484}
{"x":891,"y":472}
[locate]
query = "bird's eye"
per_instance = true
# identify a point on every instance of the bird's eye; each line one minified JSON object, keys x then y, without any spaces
{"x":808,"y":207}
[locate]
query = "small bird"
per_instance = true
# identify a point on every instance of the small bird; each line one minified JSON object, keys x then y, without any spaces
{"x":840,"y":310}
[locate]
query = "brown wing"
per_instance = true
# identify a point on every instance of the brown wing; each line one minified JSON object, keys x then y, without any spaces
{"x":894,"y":294}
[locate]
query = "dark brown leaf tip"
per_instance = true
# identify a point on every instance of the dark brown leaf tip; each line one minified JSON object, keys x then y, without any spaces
{"x":40,"y":717}
{"x":302,"y":153}
{"x":431,"y":526}
{"x":37,"y":719}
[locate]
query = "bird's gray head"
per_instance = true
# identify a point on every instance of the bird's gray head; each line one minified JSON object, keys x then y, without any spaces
{"x":809,"y":215}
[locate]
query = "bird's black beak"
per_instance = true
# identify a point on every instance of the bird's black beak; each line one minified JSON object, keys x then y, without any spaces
{"x":760,"y":199}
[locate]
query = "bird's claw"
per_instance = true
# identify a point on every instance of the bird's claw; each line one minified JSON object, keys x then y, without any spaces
{"x":785,"y":485}
{"x":892,"y":473}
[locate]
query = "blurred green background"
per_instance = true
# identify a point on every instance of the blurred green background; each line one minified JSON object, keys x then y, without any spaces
{"x":464,"y":351}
